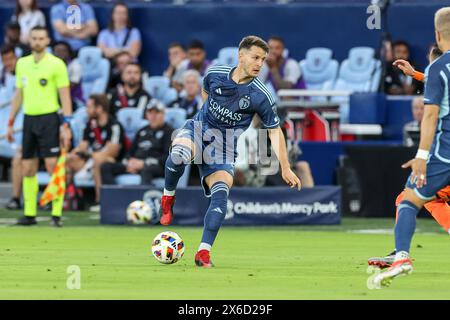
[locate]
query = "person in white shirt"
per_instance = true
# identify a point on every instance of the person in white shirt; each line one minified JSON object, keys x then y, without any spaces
{"x":28,"y":15}
{"x":279,"y":72}
{"x":7,"y":89}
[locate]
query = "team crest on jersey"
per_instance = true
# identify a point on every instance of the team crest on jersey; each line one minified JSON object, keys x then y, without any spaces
{"x":244,"y":103}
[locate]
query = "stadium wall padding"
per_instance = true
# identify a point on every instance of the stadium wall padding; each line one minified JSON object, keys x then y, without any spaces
{"x":337,"y":26}
{"x":246,"y":206}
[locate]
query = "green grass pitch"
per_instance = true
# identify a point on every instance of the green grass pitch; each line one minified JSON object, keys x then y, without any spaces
{"x":295,"y":262}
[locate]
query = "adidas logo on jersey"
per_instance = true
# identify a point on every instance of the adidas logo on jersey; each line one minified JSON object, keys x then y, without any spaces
{"x":217,"y":210}
{"x":218,"y":91}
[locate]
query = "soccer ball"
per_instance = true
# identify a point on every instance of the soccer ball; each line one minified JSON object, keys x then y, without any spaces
{"x":139,"y":212}
{"x":168,"y":247}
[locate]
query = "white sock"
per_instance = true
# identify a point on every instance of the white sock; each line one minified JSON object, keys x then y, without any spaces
{"x":204,"y":246}
{"x":168,"y":193}
{"x":401,"y":255}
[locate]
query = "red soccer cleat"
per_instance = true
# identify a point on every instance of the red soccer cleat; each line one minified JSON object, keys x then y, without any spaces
{"x":166,"y":210}
{"x":202,"y":259}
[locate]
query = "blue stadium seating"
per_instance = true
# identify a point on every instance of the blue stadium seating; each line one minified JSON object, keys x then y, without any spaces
{"x":175,"y":117}
{"x":95,"y":71}
{"x":78,"y":123}
{"x":357,"y":73}
{"x":132,"y":120}
{"x":8,"y":150}
{"x":159,"y":88}
{"x":318,"y":68}
{"x":227,"y":56}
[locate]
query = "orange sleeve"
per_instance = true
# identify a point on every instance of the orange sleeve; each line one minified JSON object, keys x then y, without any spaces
{"x":419,"y":76}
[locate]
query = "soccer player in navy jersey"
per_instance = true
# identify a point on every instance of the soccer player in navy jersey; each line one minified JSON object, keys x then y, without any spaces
{"x":431,"y":166}
{"x":232,"y":95}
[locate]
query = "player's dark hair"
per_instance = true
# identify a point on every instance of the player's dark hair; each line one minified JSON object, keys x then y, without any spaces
{"x":196,"y":44}
{"x":177,"y":45}
{"x":277,"y":38}
{"x":65,"y":44}
{"x":134,"y":64}
{"x":121,"y":53}
{"x":400,"y":43}
{"x":39,"y":28}
{"x":111,"y":22}
{"x":100,"y":100}
{"x":13,"y":26}
{"x":250,"y":41}
{"x":6,"y":49}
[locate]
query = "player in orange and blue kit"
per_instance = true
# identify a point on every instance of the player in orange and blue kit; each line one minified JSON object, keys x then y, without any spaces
{"x":431,"y":166}
{"x":438,"y":208}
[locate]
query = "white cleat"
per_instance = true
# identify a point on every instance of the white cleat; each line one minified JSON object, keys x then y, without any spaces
{"x":399,"y":267}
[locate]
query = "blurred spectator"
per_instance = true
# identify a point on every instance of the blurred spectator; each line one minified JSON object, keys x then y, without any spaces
{"x":411,"y":130}
{"x":280,"y":72}
{"x":7,"y":75}
{"x":7,"y":89}
{"x":248,"y":164}
{"x":12,"y":37}
{"x":149,"y":150}
{"x":130,"y":94}
{"x":120,"y":35}
{"x":300,"y":167}
{"x":196,"y":58}
{"x":103,"y":141}
{"x":77,"y":36}
{"x":191,"y":97}
{"x":395,"y":82}
{"x":28,"y":15}
{"x":63,"y":51}
{"x":120,"y":61}
{"x":177,"y":56}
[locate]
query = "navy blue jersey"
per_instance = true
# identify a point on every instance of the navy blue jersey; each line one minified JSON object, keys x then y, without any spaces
{"x":231,"y":105}
{"x":437,"y":76}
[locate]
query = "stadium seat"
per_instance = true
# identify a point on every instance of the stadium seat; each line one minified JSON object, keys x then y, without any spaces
{"x":135,"y":179}
{"x":131,"y":119}
{"x":8,"y":150}
{"x":175,"y":117}
{"x":227,"y":57}
{"x":95,"y":71}
{"x":357,"y":73}
{"x":78,"y":123}
{"x":159,"y":88}
{"x":376,"y":78}
{"x":318,"y":68}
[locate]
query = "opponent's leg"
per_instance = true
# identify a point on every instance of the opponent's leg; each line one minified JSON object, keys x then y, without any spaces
{"x":219,"y":183}
{"x":404,"y":231}
{"x":181,"y":154}
{"x":440,"y":210}
{"x":388,"y":260}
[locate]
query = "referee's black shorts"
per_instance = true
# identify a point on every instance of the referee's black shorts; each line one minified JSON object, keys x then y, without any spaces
{"x":41,"y":136}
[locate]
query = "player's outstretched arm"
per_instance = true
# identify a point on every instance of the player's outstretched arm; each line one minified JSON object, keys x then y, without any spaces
{"x":279,"y":146}
{"x":15,"y":106}
{"x":408,"y":69}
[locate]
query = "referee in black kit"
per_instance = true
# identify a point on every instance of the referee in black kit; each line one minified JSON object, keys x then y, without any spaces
{"x":40,"y":78}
